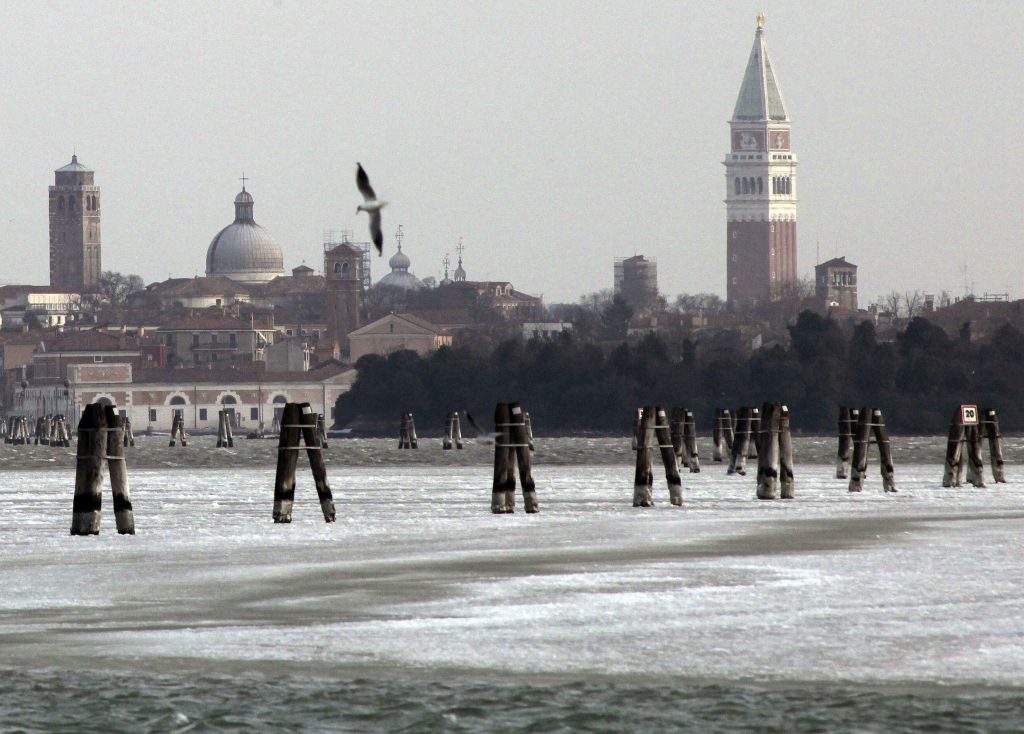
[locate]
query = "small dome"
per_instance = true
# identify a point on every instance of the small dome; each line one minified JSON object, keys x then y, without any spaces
{"x":399,"y":261}
{"x":244,"y":251}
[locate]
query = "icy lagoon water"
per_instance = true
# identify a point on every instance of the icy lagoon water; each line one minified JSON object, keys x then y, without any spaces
{"x":420,"y":611}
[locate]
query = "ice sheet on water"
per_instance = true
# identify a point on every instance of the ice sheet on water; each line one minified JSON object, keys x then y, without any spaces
{"x":417,"y":574}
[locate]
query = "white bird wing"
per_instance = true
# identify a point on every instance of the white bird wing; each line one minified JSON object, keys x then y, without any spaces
{"x":375,"y":234}
{"x":363,"y":182}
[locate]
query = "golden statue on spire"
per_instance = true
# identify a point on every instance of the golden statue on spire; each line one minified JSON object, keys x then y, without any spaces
{"x":760,"y":21}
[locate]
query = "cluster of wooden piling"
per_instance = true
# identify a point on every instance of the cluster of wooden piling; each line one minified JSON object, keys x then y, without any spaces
{"x":512,"y":451}
{"x":775,"y":452}
{"x":51,"y":430}
{"x":869,"y":428}
{"x":100,"y":444}
{"x":299,"y":421}
{"x":743,"y":430}
{"x":407,"y":433}
{"x":963,"y":446}
{"x":17,"y":430}
{"x":452,"y":432}
{"x":683,"y":435}
{"x":178,"y":428}
{"x":225,"y":438}
{"x":653,"y":431}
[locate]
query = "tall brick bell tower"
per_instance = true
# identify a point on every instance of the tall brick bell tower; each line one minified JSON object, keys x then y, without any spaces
{"x":344,"y":280}
{"x":74,"y":229}
{"x":760,"y":172}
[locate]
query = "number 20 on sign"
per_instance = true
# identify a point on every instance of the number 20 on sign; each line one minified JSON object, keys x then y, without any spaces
{"x":969,"y":415}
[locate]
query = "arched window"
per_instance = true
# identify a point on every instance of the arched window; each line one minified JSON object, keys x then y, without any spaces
{"x":760,"y":185}
{"x":736,"y":183}
{"x":60,"y":203}
{"x":337,"y":268}
{"x":789,"y":185}
{"x":746,"y":185}
{"x":71,"y":204}
{"x":105,"y":401}
{"x":228,"y":400}
{"x":344,"y":268}
{"x":177,"y":400}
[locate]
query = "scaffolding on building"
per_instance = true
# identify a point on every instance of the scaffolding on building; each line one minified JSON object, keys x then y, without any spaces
{"x":335,"y":237}
{"x":636,"y":280}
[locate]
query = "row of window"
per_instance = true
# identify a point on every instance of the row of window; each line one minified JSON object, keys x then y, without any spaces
{"x":755,"y":185}
{"x":782,"y":185}
{"x":232,"y":340}
{"x":91,"y":204}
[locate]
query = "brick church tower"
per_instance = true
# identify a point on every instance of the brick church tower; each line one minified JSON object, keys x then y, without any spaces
{"x":74,"y":229}
{"x":760,"y":202}
{"x":344,"y":280}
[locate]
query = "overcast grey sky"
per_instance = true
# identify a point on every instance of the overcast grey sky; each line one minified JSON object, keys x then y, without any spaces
{"x":551,"y":136}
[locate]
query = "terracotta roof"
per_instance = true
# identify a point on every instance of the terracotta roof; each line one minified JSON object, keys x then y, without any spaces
{"x":13,"y":291}
{"x":199,"y":286}
{"x":244,"y":372}
{"x":206,"y":322}
{"x":89,"y":341}
{"x":288,"y":285}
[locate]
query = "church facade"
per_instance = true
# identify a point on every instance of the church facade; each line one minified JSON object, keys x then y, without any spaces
{"x":760,"y":172}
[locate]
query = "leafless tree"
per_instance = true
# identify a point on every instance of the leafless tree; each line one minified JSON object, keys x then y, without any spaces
{"x":913,"y":304}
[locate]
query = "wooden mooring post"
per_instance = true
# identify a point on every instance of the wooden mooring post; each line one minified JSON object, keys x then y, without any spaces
{"x":446,"y":441}
{"x":785,"y":439}
{"x":456,"y":431}
{"x":92,"y":447}
{"x":675,"y":424}
{"x":636,"y":429}
{"x":871,"y":421}
{"x":741,"y":438}
{"x":995,"y":444}
{"x":299,"y":421}
{"x":755,"y":431}
{"x":847,"y":421}
{"x":511,"y":453}
{"x":321,"y":429}
{"x":117,"y":466}
{"x":407,"y":433}
{"x":529,"y":430}
{"x":655,"y":433}
{"x":503,"y":489}
{"x":721,"y":435}
{"x":225,"y":439}
{"x":100,"y":444}
{"x":177,"y":428}
{"x":690,"y":441}
{"x":768,"y":451}
{"x":129,"y":434}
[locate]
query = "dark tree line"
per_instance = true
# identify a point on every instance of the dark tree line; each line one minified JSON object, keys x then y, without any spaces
{"x":572,"y":386}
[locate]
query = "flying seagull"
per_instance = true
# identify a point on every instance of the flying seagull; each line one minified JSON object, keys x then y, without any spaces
{"x":371,"y":206}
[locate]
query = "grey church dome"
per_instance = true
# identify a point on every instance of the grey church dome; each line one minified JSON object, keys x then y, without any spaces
{"x":400,"y":277}
{"x":244,"y":251}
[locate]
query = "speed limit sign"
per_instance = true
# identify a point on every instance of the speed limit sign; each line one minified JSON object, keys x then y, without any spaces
{"x":969,"y":415}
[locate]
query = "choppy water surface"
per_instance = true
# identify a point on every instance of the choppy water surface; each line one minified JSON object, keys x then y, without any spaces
{"x":57,"y":701}
{"x":420,"y":611}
